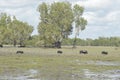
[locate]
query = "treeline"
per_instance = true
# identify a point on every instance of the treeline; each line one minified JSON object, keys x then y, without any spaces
{"x":56,"y":24}
{"x":101,"y":41}
{"x":13,"y":31}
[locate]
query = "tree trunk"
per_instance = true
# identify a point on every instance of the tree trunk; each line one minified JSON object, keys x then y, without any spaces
{"x":14,"y":43}
{"x":74,"y":42}
{"x":1,"y":44}
{"x":22,"y":44}
{"x":57,"y":44}
{"x":45,"y":41}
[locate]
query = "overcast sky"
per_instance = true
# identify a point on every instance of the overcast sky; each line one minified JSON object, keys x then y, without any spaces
{"x":103,"y":16}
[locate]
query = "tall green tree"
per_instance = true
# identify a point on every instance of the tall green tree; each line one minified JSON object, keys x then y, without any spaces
{"x":43,"y":25}
{"x":5,"y":20}
{"x":80,"y":22}
{"x":20,"y":32}
{"x":13,"y":30}
{"x":56,"y":22}
{"x":25,"y":33}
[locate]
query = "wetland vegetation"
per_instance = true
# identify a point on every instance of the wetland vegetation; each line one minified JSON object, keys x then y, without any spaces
{"x":46,"y":64}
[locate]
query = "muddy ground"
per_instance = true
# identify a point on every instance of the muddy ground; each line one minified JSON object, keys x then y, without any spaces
{"x":84,"y":74}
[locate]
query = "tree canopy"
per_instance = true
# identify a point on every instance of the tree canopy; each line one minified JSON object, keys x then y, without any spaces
{"x":13,"y":31}
{"x":79,"y":21}
{"x":56,"y":21}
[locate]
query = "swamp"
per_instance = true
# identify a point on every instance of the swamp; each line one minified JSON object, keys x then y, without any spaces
{"x":47,"y":64}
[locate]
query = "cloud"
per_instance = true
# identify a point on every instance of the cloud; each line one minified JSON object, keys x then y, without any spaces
{"x":113,"y":16}
{"x":16,"y":3}
{"x":24,"y":10}
{"x":94,"y":4}
{"x":102,"y":16}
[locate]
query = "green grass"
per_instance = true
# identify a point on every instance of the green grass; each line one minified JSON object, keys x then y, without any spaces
{"x":48,"y":61}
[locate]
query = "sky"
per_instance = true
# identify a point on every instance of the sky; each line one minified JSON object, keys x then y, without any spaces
{"x":103,"y":16}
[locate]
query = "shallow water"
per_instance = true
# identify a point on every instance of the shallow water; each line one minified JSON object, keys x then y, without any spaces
{"x":85,"y":74}
{"x":104,"y":63}
{"x":27,"y":75}
{"x":106,"y":75}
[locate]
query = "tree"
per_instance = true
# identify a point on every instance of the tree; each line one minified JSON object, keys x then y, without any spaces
{"x":20,"y":31}
{"x":80,"y":22}
{"x":43,"y":25}
{"x":56,"y":22}
{"x":13,"y":30}
{"x":25,"y":33}
{"x":5,"y":20}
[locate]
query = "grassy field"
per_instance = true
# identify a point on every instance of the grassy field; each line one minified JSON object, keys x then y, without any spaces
{"x":46,"y":64}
